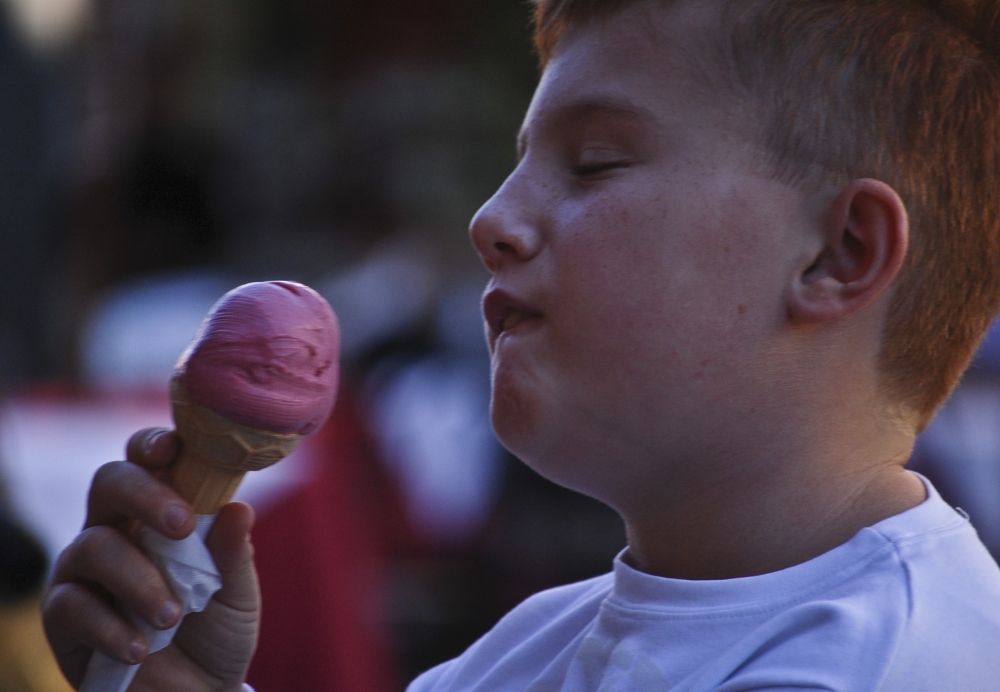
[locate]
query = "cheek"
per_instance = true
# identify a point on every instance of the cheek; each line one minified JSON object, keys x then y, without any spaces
{"x":622,"y":276}
{"x":649,"y":301}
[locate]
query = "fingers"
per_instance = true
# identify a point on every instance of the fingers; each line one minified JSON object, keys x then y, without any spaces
{"x":69,"y":607}
{"x":101,"y":565}
{"x":153,"y":447}
{"x":77,"y":621}
{"x":102,"y":555}
{"x":122,"y":491}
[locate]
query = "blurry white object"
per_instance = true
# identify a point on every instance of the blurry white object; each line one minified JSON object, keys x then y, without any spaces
{"x":50,"y":449}
{"x":384,"y":295}
{"x":48,"y":24}
{"x":962,"y":444}
{"x":135,"y":335}
{"x":431,"y":424}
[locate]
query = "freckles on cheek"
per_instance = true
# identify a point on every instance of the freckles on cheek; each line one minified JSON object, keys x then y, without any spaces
{"x":700,"y":373}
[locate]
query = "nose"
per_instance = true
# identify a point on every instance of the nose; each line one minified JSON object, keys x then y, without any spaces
{"x":506,"y":230}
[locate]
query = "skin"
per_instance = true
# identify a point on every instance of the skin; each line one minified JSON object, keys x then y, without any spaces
{"x":701,"y":347}
{"x":697,"y":348}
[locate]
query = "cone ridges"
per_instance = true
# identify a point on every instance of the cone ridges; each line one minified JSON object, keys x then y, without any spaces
{"x":216,"y":452}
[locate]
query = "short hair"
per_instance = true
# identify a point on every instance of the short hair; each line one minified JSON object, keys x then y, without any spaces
{"x":905,"y":91}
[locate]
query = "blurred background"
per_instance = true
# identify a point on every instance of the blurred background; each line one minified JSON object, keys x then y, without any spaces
{"x":155,"y":154}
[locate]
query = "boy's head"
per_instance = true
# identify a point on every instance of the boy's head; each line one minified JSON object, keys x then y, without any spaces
{"x":673,"y":276}
{"x":903,"y":91}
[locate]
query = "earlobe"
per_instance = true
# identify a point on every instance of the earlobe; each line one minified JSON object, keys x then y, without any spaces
{"x":865,"y":233}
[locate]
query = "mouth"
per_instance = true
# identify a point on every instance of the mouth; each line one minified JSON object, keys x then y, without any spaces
{"x":505,"y":313}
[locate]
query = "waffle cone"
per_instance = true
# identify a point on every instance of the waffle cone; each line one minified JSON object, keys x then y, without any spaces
{"x":216,"y":452}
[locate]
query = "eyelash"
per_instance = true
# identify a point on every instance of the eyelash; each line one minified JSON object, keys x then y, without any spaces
{"x":593,"y":169}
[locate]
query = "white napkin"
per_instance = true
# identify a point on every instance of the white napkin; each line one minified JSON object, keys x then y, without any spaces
{"x":189,"y":569}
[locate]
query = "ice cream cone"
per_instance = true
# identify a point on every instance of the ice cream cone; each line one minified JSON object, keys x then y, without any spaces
{"x":261,"y":372}
{"x":216,"y":452}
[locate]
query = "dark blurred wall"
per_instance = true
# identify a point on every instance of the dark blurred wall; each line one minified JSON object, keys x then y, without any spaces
{"x":267,"y":138}
{"x":23,"y":240}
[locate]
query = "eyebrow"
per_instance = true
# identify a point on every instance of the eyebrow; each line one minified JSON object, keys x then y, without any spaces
{"x":588,"y":108}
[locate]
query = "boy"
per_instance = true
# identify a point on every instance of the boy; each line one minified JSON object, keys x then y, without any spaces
{"x":746,"y":252}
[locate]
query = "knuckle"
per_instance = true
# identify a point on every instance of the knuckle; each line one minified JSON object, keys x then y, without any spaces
{"x":108,"y":629}
{"x":145,"y":484}
{"x":57,"y":603}
{"x":72,"y":560}
{"x":122,"y":479}
{"x":51,"y":602}
{"x":100,"y":537}
{"x":80,"y":615}
{"x":63,"y":565}
{"x":103,"y":555}
{"x":96,"y":545}
{"x":150,"y":590}
{"x":106,"y":474}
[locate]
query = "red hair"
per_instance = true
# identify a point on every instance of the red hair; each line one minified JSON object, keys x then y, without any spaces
{"x":905,"y":91}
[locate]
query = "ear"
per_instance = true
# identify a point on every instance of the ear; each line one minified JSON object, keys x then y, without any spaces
{"x":865,"y":236}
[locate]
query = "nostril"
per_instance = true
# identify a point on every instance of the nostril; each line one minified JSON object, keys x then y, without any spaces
{"x":505,"y":248}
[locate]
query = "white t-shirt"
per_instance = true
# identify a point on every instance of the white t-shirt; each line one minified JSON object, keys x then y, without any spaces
{"x":911,"y":604}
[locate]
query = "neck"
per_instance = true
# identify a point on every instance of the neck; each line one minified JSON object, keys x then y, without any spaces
{"x":795,"y":501}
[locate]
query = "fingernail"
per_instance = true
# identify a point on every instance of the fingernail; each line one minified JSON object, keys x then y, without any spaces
{"x":168,"y":614}
{"x":175,"y":517}
{"x":136,"y":651}
{"x":150,"y":442}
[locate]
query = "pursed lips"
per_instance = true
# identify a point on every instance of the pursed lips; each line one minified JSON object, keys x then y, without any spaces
{"x":503,"y":313}
{"x":514,"y":317}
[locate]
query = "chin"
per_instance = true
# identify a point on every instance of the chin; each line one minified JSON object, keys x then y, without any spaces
{"x":531,"y":423}
{"x":540,"y":442}
{"x":525,"y":423}
{"x":515,"y":420}
{"x":517,"y":404}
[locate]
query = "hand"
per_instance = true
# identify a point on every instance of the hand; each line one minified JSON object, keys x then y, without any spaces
{"x":212,"y":649}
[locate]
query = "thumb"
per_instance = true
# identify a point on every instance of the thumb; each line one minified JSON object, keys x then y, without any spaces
{"x":229,"y":543}
{"x":221,"y":639}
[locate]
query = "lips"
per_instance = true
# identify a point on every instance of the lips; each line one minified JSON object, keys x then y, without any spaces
{"x":504,"y":313}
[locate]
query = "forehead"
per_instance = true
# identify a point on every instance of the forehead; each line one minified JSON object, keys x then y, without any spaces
{"x":653,"y":61}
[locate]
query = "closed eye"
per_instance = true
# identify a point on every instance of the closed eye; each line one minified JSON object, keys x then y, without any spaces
{"x":595,"y":170}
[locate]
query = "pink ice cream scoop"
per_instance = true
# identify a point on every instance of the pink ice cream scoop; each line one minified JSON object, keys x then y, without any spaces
{"x":267,"y":357}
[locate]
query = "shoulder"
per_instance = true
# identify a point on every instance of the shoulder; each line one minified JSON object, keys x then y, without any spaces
{"x":532,"y":634}
{"x":921,"y":614}
{"x":953,"y":621}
